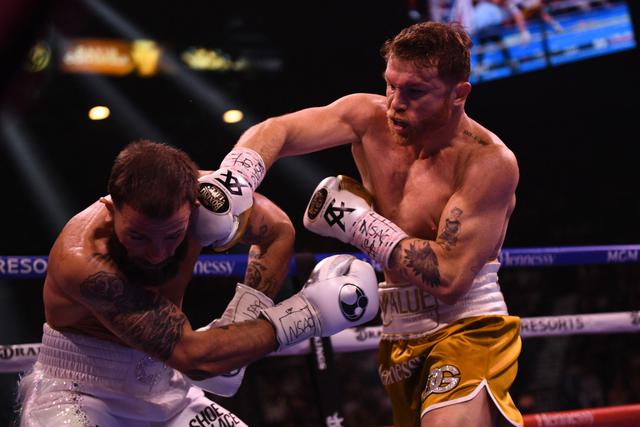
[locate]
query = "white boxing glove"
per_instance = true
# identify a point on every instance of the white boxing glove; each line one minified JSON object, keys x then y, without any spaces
{"x":246,"y":304}
{"x":225,"y":205}
{"x":342,"y":292}
{"x":342,"y":208}
{"x":240,"y":173}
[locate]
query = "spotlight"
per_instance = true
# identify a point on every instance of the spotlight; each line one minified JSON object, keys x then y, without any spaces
{"x":232,"y":116}
{"x":99,"y":112}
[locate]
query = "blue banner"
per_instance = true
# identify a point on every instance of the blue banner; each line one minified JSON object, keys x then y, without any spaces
{"x":234,"y":265}
{"x":23,"y":267}
{"x":571,"y":255}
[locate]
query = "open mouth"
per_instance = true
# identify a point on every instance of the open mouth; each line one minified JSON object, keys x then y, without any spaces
{"x":397,"y":124}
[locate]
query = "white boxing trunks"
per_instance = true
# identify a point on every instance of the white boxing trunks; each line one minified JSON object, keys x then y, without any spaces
{"x":83,"y":381}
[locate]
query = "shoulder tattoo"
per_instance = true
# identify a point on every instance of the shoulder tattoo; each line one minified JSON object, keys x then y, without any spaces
{"x":475,"y":137}
{"x":143,"y":318}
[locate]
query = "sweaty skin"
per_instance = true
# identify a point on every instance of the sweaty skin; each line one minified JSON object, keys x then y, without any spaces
{"x":87,"y":292}
{"x":442,"y":177}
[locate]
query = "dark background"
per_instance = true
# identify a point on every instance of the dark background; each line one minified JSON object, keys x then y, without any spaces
{"x":573,"y":129}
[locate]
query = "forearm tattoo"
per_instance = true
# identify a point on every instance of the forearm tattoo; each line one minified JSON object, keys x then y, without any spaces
{"x":449,"y":236}
{"x":257,"y":275}
{"x":423,"y":262}
{"x":255,"y":268}
{"x":142,"y":317}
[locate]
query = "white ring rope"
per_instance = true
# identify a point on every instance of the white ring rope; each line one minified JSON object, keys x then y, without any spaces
{"x":20,"y":357}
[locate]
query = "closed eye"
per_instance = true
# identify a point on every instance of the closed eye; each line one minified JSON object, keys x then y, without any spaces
{"x":414,"y":92}
{"x":136,"y":236}
{"x":174,"y":236}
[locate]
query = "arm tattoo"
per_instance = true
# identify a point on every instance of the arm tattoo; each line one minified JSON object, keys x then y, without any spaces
{"x":142,"y":317}
{"x":255,"y":237}
{"x":258,"y":275}
{"x":254,"y":276}
{"x":449,"y":236}
{"x":423,"y":262}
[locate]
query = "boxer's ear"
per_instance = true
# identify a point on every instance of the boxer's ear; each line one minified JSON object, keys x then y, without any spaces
{"x":460,"y":93}
{"x":108,"y":203}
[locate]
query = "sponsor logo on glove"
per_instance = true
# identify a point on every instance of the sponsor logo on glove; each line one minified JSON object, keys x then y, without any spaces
{"x":212,"y":198}
{"x":316,"y":203}
{"x":353,"y":302}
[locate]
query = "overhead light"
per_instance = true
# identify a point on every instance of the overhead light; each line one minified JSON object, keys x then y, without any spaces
{"x":232,"y":116}
{"x":99,"y":112}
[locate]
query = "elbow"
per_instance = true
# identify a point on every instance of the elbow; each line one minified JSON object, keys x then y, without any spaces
{"x":193,"y":360}
{"x":184,"y":359}
{"x":286,"y":232}
{"x":451,"y":291}
{"x":282,"y":234}
{"x":449,"y":297}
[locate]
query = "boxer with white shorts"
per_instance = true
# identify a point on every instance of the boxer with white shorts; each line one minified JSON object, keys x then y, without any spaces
{"x":117,"y":348}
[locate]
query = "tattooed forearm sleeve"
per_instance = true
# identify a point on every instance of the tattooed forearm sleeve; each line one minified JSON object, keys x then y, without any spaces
{"x":269,"y":256}
{"x":262,"y":274}
{"x":141,"y":318}
{"x":423,"y":262}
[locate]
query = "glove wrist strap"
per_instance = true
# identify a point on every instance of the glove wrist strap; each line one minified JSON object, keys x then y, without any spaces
{"x":294,"y":319}
{"x":376,"y":236}
{"x":247,"y":163}
{"x":246,"y":304}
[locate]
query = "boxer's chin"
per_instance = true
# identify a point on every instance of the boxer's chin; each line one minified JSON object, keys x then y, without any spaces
{"x":142,"y":272}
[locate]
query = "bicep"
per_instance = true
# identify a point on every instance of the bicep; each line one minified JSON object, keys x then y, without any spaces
{"x":473,"y":223}
{"x":469,"y":233}
{"x":142,"y":319}
{"x":266,"y":222}
{"x":310,"y":129}
{"x":315,"y":129}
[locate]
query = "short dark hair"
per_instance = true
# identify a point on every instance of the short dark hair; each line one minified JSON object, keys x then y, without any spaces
{"x":155,"y":179}
{"x":444,"y":46}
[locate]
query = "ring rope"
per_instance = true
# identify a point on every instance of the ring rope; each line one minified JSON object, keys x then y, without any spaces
{"x":612,"y":416}
{"x":234,"y":265}
{"x":19,"y":357}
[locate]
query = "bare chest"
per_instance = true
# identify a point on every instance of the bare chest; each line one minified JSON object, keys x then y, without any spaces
{"x":411,"y":192}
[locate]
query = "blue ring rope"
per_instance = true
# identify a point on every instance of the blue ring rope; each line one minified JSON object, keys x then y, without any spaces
{"x":234,"y":265}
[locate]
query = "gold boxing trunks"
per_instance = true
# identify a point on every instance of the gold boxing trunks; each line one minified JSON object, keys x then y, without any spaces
{"x":451,"y":366}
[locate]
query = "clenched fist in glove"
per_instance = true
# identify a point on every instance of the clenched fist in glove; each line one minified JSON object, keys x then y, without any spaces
{"x":226,"y":198}
{"x":341,"y":207}
{"x":246,"y":304}
{"x":342,"y":292}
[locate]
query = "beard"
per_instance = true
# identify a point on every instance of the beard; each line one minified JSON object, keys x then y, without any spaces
{"x":140,"y":272}
{"x":424,"y":127}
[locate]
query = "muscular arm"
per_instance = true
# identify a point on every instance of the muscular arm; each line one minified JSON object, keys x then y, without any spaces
{"x":151,"y":323}
{"x":470,"y":231}
{"x":309,"y":130}
{"x":271,"y":236}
